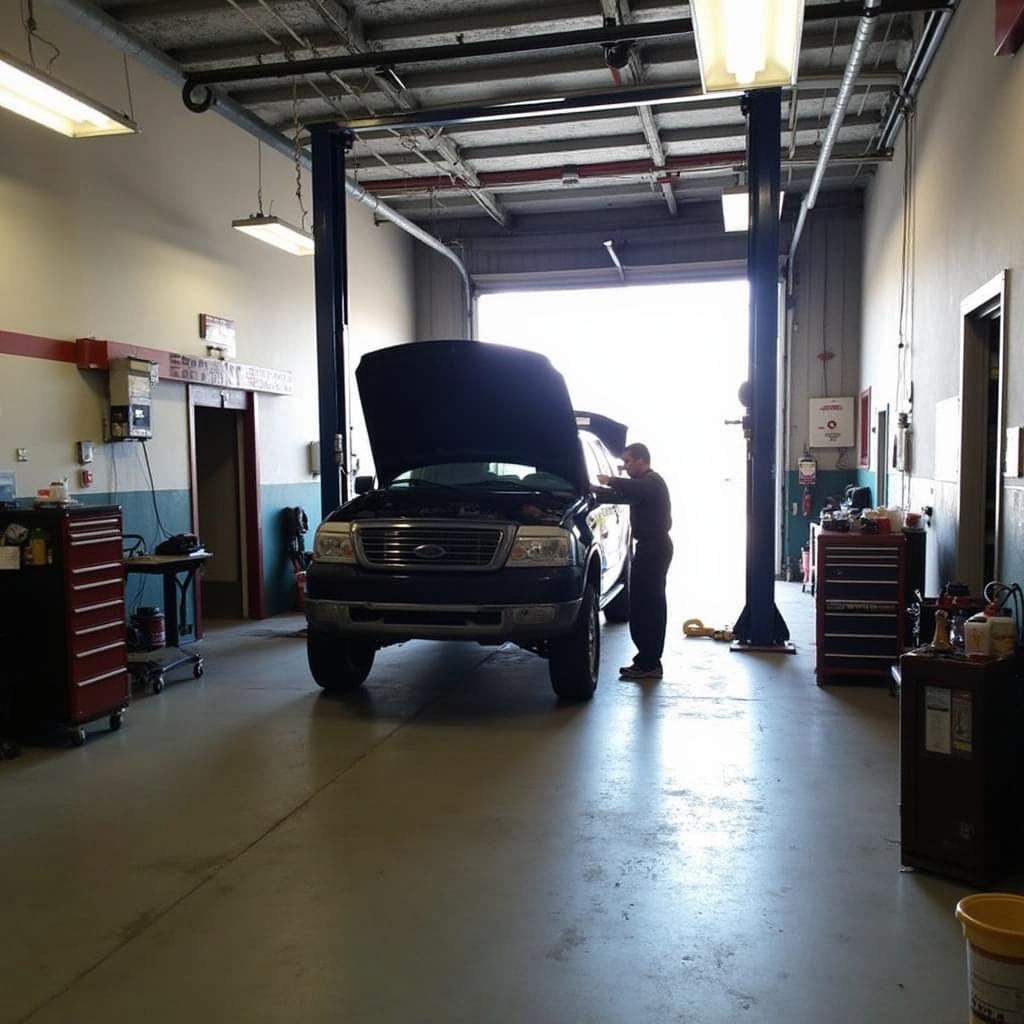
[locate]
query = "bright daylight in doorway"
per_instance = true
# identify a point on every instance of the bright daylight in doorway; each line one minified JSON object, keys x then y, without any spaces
{"x":668,"y":361}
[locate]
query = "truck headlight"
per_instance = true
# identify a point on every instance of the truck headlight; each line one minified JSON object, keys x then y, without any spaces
{"x":333,"y":543}
{"x":541,"y":546}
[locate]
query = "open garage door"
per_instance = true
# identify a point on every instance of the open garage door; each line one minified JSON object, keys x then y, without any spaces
{"x":668,"y":361}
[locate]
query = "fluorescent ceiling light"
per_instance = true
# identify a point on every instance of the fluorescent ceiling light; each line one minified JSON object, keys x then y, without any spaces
{"x":275,"y":231}
{"x":27,"y":91}
{"x":736,"y":208}
{"x":747,"y":44}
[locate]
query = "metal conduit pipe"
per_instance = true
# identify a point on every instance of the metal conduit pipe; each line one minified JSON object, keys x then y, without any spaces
{"x":931,"y":39}
{"x":130,"y":43}
{"x":865,"y":30}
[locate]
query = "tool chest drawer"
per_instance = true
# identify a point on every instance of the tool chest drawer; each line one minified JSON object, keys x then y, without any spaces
{"x":859,"y":607}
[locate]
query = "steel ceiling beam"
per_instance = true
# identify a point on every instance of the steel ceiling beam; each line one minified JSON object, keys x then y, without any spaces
{"x":350,"y":32}
{"x":644,"y":169}
{"x":431,"y":54}
{"x":614,"y":9}
{"x":811,"y":88}
{"x":815,"y":38}
{"x":598,"y":143}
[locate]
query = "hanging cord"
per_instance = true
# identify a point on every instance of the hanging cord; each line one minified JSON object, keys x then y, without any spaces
{"x":259,"y":178}
{"x":298,"y":152}
{"x":28,"y":18}
{"x":152,"y":492}
{"x":128,"y":86}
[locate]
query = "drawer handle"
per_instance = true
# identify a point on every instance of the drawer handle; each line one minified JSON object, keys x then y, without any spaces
{"x":100,"y":650}
{"x":877,"y":583}
{"x":96,"y":629}
{"x":861,"y":657}
{"x":96,"y":568}
{"x":106,"y":675}
{"x":102,"y":540}
{"x":89,"y":523}
{"x":97,"y":607}
{"x":107,"y":532}
{"x":99,"y":583}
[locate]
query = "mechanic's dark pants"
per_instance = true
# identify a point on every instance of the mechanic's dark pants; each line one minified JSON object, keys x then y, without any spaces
{"x":648,"y":612}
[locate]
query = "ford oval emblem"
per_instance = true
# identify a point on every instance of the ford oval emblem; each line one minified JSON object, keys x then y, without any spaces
{"x":429,"y":551}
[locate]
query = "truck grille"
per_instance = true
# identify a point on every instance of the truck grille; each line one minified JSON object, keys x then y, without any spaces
{"x":426,"y":547}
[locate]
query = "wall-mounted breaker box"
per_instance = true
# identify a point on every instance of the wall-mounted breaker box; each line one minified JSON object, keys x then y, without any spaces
{"x":131,"y":391}
{"x":830,"y":423}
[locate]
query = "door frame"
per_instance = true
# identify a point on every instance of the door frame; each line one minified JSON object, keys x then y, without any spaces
{"x":245,"y":402}
{"x":983,"y":304}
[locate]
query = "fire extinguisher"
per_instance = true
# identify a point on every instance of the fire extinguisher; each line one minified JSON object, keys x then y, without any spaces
{"x":808,"y":502}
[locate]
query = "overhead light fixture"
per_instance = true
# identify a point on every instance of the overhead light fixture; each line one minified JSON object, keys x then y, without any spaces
{"x":736,"y":208}
{"x":33,"y":94}
{"x":277,"y":232}
{"x":743,"y":45}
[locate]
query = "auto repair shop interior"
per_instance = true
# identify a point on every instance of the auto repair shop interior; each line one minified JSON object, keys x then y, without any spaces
{"x":312,"y":605}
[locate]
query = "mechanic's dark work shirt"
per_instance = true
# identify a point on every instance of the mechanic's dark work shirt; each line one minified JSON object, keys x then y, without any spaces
{"x":650,"y":509}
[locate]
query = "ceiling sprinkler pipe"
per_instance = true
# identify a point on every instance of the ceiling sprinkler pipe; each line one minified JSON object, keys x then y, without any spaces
{"x":932,"y":37}
{"x":128,"y":42}
{"x":865,"y":30}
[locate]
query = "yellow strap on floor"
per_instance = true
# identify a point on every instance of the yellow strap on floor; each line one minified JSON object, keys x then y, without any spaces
{"x":694,"y":628}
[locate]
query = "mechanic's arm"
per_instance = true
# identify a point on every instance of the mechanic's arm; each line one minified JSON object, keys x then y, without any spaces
{"x":626,"y":488}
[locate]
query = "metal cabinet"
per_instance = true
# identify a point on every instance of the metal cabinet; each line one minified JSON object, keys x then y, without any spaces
{"x":860,"y":587}
{"x":69,"y":665}
{"x":961,"y":761}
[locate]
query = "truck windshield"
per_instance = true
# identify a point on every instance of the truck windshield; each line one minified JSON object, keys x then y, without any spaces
{"x":492,"y":476}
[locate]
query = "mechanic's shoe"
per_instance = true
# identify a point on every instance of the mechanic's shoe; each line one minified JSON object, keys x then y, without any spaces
{"x":635,"y":672}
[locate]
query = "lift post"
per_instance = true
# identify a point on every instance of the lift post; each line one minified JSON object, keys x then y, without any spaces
{"x":760,"y":626}
{"x":330,"y":272}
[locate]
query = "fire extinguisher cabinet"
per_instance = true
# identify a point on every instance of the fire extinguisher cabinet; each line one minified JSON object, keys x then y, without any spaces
{"x":961,"y":765}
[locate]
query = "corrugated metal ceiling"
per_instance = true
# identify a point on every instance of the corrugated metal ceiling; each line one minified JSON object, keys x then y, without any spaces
{"x":682,"y":153}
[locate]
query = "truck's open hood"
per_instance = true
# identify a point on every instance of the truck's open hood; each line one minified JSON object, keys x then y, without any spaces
{"x":466,"y":401}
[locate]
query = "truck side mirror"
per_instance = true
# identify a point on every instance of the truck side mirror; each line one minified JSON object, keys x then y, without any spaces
{"x":364,"y":484}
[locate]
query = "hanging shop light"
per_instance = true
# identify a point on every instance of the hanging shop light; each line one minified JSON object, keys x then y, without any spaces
{"x":277,"y":232}
{"x":35,"y":95}
{"x":743,"y":45}
{"x":736,"y":207}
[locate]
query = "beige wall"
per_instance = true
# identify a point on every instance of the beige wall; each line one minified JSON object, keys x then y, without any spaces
{"x":969,"y":199}
{"x":130,"y":239}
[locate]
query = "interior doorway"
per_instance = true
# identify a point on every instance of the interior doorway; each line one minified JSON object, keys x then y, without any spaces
{"x":668,"y":361}
{"x":225,"y":502}
{"x":982,"y":387}
{"x":882,"y":458}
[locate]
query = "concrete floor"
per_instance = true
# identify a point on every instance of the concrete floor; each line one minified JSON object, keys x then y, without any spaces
{"x":453,"y":846}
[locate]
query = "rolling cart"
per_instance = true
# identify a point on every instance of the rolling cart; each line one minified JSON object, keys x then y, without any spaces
{"x":151,"y":667}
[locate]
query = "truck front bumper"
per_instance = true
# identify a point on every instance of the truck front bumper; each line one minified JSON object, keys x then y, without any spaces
{"x":483,"y":623}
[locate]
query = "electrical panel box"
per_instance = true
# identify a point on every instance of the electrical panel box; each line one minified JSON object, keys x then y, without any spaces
{"x":131,"y":391}
{"x":830,"y":423}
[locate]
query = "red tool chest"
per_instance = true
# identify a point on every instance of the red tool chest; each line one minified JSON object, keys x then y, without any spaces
{"x":69,"y":663}
{"x":861,"y":613}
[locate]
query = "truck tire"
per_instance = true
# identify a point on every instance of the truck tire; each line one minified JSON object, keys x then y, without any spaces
{"x":574,"y":660}
{"x":617,"y":610}
{"x":338,"y":664}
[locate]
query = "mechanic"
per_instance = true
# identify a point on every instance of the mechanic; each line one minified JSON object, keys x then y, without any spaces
{"x":650,"y":517}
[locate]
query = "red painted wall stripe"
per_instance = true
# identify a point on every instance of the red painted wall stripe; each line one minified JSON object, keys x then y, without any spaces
{"x":12,"y":344}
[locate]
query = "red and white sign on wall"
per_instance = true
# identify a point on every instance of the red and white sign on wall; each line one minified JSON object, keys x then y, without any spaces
{"x":831,"y":423}
{"x":1009,"y":26}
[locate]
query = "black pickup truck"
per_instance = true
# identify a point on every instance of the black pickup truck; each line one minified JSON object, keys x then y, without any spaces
{"x":485,"y":524}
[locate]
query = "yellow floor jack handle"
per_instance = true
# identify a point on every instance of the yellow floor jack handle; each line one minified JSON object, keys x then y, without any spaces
{"x":694,"y":627}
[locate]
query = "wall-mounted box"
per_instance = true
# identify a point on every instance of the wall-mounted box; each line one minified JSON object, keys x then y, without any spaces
{"x":830,"y":423}
{"x":1013,"y":455}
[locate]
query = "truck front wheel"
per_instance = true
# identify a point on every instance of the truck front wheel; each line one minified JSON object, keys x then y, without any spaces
{"x":338,"y":664}
{"x":574,"y":660}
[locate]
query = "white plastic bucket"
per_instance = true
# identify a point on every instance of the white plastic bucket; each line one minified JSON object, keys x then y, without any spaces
{"x":993,"y":925}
